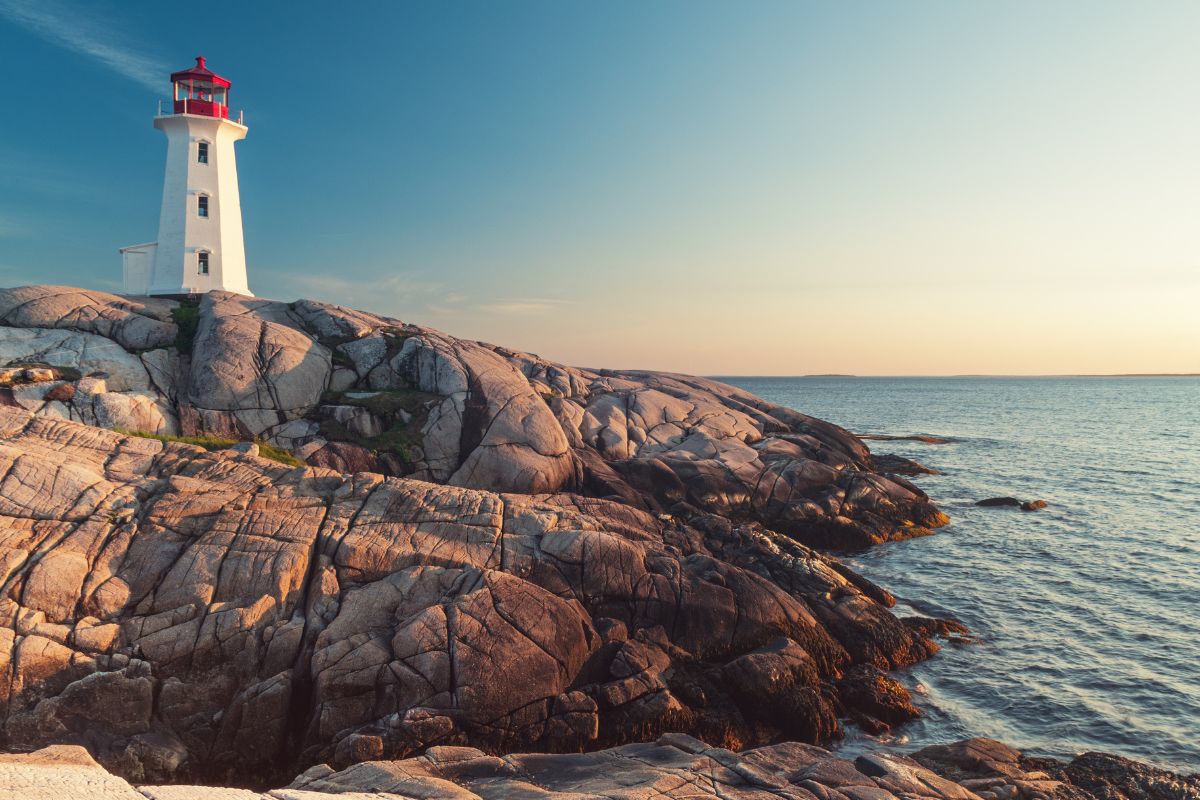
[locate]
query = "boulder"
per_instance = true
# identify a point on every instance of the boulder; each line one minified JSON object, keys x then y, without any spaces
{"x":999,"y":502}
{"x":348,"y":457}
{"x":970,"y":758}
{"x":898,"y":465}
{"x":878,"y":701}
{"x":134,"y":411}
{"x":780,"y":682}
{"x":253,"y":355}
{"x":1011,"y":502}
{"x":924,"y":438}
{"x":142,"y":323}
{"x":1108,"y":777}
{"x":82,"y":353}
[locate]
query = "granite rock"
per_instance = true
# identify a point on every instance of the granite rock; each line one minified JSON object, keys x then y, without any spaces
{"x":189,"y":613}
{"x":675,"y":767}
{"x":475,"y":415}
{"x":141,"y":323}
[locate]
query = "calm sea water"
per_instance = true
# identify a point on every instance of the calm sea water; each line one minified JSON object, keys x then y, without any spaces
{"x":1089,"y":610}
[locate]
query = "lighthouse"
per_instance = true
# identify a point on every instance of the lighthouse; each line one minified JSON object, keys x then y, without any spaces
{"x":199,"y":245}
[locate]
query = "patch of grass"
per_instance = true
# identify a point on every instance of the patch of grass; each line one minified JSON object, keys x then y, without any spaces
{"x":215,"y":443}
{"x":187,"y":318}
{"x":389,"y":403}
{"x":400,"y":437}
{"x":279,"y":454}
{"x":401,"y":441}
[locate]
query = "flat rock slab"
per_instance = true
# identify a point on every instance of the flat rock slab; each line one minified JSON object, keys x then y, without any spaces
{"x":199,"y":793}
{"x":676,"y":767}
{"x":57,"y":773}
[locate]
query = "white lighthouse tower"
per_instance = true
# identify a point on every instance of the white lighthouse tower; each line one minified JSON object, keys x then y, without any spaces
{"x":199,"y":245}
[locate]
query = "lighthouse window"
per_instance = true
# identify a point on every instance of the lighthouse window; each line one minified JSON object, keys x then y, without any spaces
{"x":202,"y":152}
{"x":202,"y":261}
{"x":202,"y":200}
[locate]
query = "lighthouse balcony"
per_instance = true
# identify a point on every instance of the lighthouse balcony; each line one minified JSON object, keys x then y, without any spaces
{"x":202,"y":108}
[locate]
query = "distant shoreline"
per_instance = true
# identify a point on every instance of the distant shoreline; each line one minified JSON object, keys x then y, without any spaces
{"x":969,"y":375}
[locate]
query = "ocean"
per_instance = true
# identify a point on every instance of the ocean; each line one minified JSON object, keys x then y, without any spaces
{"x":1088,"y":611}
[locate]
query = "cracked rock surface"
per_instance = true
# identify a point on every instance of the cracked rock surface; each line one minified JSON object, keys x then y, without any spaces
{"x":187,"y":613}
{"x":488,"y":553}
{"x":676,"y":767}
{"x":355,"y":391}
{"x":486,"y":548}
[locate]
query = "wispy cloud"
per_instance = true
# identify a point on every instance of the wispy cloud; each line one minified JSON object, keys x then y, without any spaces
{"x":523,"y":306}
{"x":72,"y":29}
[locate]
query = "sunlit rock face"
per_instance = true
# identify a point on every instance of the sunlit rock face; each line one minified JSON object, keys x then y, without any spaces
{"x":674,"y":767}
{"x":354,"y":391}
{"x":193,"y":612}
{"x":486,"y":549}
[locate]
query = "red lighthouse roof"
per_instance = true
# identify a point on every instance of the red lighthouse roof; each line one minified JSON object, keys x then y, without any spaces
{"x":201,"y":91}
{"x":200,"y":73}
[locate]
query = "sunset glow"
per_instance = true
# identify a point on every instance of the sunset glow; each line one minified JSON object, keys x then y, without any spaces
{"x":926,"y":188}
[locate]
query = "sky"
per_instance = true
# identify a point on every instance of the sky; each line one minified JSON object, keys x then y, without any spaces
{"x":764,"y":188}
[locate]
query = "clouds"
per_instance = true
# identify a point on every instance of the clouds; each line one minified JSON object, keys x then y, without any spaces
{"x":523,"y":306}
{"x":69,"y":28}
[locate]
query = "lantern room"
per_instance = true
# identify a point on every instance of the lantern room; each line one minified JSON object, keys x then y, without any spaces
{"x":200,"y":91}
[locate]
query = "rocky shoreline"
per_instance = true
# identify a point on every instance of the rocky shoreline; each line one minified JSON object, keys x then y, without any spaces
{"x":251,"y":538}
{"x":675,"y":766}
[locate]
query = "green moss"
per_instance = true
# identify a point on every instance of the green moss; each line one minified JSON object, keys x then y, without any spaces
{"x":410,"y":401}
{"x":400,"y":441}
{"x":215,"y":443}
{"x":278,"y":454}
{"x":187,"y":319}
{"x":400,"y":437}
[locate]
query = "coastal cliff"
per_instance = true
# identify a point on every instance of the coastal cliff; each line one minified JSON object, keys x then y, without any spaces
{"x":358,"y":392}
{"x":242,"y":538}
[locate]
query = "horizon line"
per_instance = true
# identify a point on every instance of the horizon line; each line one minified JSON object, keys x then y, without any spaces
{"x":981,"y":375}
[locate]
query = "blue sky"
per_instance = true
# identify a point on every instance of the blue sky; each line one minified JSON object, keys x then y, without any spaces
{"x":723,"y":188}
